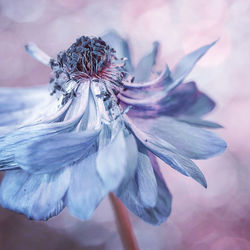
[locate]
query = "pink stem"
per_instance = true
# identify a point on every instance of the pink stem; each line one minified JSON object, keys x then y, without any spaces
{"x":123,"y":223}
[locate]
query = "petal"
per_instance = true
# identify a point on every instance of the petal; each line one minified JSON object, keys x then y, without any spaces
{"x":22,"y":145}
{"x":184,"y":67}
{"x":38,"y":54}
{"x":144,"y":68}
{"x":186,"y":100}
{"x":39,"y":197}
{"x":169,"y":82}
{"x":86,"y":189}
{"x":51,"y":152}
{"x":121,"y":46}
{"x":19,"y":104}
{"x":190,"y":141}
{"x":14,"y":99}
{"x":146,"y":181}
{"x":202,"y":106}
{"x":199,"y":123}
{"x":154,"y":215}
{"x":117,"y":155}
{"x":169,"y":154}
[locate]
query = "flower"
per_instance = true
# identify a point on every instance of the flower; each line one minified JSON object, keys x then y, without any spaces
{"x":100,"y":129}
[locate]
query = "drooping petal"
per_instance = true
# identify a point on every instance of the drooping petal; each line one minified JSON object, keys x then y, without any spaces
{"x":146,"y":181}
{"x":39,"y":197}
{"x":155,"y":214}
{"x":50,"y":153}
{"x":169,"y":154}
{"x":20,"y":145}
{"x":190,"y":141}
{"x":86,"y":188}
{"x":144,"y":68}
{"x":14,"y":99}
{"x":19,"y":104}
{"x":117,"y":155}
{"x":121,"y":47}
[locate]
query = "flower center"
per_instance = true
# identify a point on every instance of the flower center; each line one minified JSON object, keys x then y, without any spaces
{"x":87,"y":56}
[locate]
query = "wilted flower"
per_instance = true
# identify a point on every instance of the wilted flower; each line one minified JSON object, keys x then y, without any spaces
{"x":100,"y":129}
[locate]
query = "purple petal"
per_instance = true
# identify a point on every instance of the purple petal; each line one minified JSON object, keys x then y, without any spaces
{"x":170,"y":82}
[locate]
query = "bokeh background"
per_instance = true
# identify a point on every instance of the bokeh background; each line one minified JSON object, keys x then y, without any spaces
{"x":214,"y":219}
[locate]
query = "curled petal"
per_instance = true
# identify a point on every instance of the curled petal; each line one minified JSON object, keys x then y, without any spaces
{"x":184,"y":102}
{"x":170,"y":82}
{"x":39,"y":197}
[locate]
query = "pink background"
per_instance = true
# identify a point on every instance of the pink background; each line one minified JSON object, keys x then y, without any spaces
{"x":214,"y":219}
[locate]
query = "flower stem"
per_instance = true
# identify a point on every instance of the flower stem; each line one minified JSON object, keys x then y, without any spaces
{"x":123,"y":223}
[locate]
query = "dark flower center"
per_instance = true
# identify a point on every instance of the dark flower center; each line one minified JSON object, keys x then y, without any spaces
{"x":88,"y":56}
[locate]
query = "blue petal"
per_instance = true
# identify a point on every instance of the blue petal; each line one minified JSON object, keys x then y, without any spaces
{"x":39,"y":197}
{"x":169,"y":154}
{"x":22,"y":146}
{"x":144,"y":68}
{"x":154,"y":215}
{"x":199,"y":123}
{"x":117,"y":155}
{"x":190,"y":141}
{"x":121,"y":46}
{"x":184,"y":67}
{"x":146,"y":181}
{"x":51,"y":152}
{"x":17,"y":104}
{"x":38,"y":54}
{"x":86,"y":189}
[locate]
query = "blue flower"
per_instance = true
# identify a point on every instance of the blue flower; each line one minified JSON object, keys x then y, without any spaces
{"x":98,"y":128}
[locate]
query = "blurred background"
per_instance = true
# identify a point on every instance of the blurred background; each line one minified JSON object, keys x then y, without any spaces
{"x":214,"y":219}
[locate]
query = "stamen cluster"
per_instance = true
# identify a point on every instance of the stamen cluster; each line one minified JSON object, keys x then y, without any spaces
{"x":87,"y":58}
{"x":87,"y":55}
